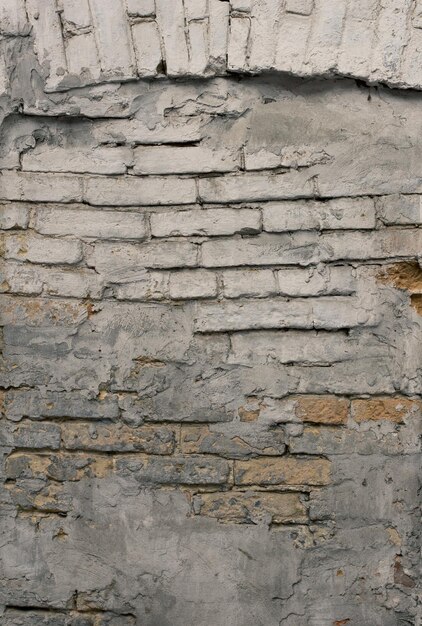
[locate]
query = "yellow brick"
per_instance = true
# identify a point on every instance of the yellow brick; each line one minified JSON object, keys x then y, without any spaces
{"x":282,"y":471}
{"x":322,"y":409}
{"x":385,"y":408}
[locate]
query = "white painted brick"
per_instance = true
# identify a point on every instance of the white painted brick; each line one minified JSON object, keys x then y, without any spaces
{"x":255,"y":187}
{"x":183,"y":160}
{"x":107,"y":160}
{"x":301,"y":7}
{"x":140,"y":7}
{"x":13,"y":216}
{"x":195,"y":9}
{"x":241,"y":5}
{"x":263,"y":37}
{"x":326,"y":35}
{"x":311,"y":282}
{"x":113,"y":37}
{"x":289,"y":156}
{"x":49,"y":46}
{"x":382,"y":244}
{"x":198,"y":42}
{"x":400,"y":209}
{"x":147,"y":286}
{"x":86,"y":223}
{"x":147,"y":44}
{"x":392,"y":37}
{"x":252,"y":314}
{"x":205,"y":222}
{"x":171,"y":21}
{"x":131,"y":191}
{"x":293,"y":35}
{"x":218,"y":33}
{"x":25,"y":247}
{"x":238,"y":42}
{"x":342,"y":213}
{"x":34,"y":280}
{"x":248,"y":283}
{"x":193,"y":284}
{"x":296,"y":249}
{"x":138,"y":132}
{"x":13,"y":17}
{"x":76,"y":11}
{"x":36,"y":187}
{"x":331,"y":313}
{"x":125,"y":263}
{"x":82,"y":57}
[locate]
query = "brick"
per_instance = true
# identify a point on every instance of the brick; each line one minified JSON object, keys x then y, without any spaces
{"x":13,"y":19}
{"x":83,"y":63}
{"x":198,"y":42}
{"x":118,"y":438}
{"x":238,"y":43}
{"x":249,"y":283}
{"x":264,"y":37}
{"x":58,"y":466}
{"x":102,"y":160}
{"x":218,"y":30}
{"x":142,"y":8}
{"x":147,"y":286}
{"x":231,"y":441}
{"x":178,"y":470}
{"x":251,"y":507}
{"x":400,"y":209}
{"x":125,"y":263}
{"x":322,"y":409}
{"x":26,"y":247}
{"x":286,"y":249}
{"x":343,"y":213}
{"x":147,"y":44}
{"x":205,"y":223}
{"x":192,"y":284}
{"x":301,"y":7}
{"x":40,"y":187}
{"x":255,"y":187}
{"x":86,"y":223}
{"x":20,"y":278}
{"x":195,"y":9}
{"x":390,"y":409}
{"x":171,"y":20}
{"x":382,"y":244}
{"x":283,"y":471}
{"x":328,"y":313}
{"x":34,"y":280}
{"x":130,"y":191}
{"x":406,"y":275}
{"x":76,"y":12}
{"x":136,"y":131}
{"x":288,"y":157}
{"x":40,"y":495}
{"x":325,"y":40}
{"x":392,"y":36}
{"x":113,"y":38}
{"x":332,"y":280}
{"x":183,"y":160}
{"x":13,"y":216}
{"x":70,"y":405}
{"x":30,"y":435}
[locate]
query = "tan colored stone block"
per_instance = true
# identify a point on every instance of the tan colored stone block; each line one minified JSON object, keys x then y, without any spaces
{"x":322,"y":409}
{"x":385,"y":408}
{"x":282,"y":471}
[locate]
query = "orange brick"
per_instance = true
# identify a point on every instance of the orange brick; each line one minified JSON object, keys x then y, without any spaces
{"x":322,"y":409}
{"x":385,"y":408}
{"x":282,"y":471}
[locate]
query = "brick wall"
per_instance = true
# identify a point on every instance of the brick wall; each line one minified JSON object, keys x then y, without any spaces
{"x":211,"y":323}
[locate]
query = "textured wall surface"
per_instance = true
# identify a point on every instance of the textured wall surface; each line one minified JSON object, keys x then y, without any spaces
{"x":211,"y":301}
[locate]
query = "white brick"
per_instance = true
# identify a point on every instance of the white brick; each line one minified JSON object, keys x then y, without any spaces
{"x":13,"y":216}
{"x":108,"y":160}
{"x":183,"y":160}
{"x":238,"y":42}
{"x":258,"y":283}
{"x":86,"y":223}
{"x":13,"y":17}
{"x":301,"y":7}
{"x":147,"y":44}
{"x":82,"y":58}
{"x":193,"y":284}
{"x":76,"y":11}
{"x":342,"y":213}
{"x":400,"y":209}
{"x":255,"y":187}
{"x":147,"y":286}
{"x":140,"y":7}
{"x":292,"y":37}
{"x":20,"y":278}
{"x":171,"y":20}
{"x":241,"y":5}
{"x":131,"y":191}
{"x":35,"y":187}
{"x":392,"y":37}
{"x":289,"y":157}
{"x":125,"y":263}
{"x":205,"y":222}
{"x":25,"y":247}
{"x":382,"y":244}
{"x":136,"y":131}
{"x":329,"y":313}
{"x":218,"y":33}
{"x":296,"y":249}
{"x":311,"y":282}
{"x":195,"y":9}
{"x":198,"y":41}
{"x":326,"y":35}
{"x":113,"y":37}
{"x":263,"y":37}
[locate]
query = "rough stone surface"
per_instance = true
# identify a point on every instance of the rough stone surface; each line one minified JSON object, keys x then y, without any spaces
{"x":210,"y":311}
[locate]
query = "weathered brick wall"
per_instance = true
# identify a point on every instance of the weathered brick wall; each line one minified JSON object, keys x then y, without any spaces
{"x":211,"y":349}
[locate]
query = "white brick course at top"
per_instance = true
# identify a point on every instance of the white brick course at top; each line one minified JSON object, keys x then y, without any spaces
{"x":83,"y":42}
